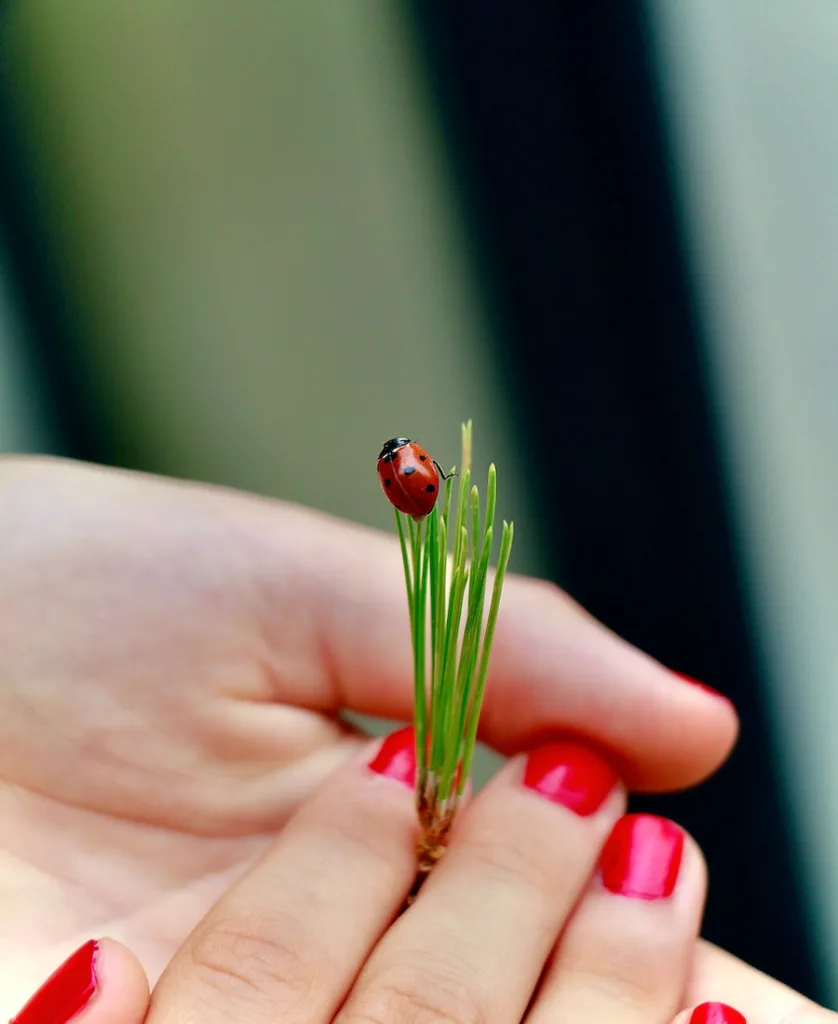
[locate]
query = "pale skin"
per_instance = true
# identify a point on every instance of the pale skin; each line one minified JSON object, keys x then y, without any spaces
{"x":175,"y":777}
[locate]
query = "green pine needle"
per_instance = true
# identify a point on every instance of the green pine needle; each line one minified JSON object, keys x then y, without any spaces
{"x":451,"y":631}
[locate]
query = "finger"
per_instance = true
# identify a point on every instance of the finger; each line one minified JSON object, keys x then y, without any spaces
{"x":286,"y":941}
{"x":338,"y":590}
{"x":717,"y":975}
{"x":472,"y":946}
{"x":626,"y":952}
{"x":101,"y":983}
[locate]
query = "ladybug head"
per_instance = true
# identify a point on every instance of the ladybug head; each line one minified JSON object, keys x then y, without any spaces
{"x":392,"y":446}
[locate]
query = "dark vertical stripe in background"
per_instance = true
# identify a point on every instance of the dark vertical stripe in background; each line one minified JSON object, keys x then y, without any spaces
{"x":551,"y":113}
{"x":44,"y":305}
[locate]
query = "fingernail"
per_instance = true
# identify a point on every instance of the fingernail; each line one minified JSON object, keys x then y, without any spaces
{"x":642,"y":857}
{"x":66,"y":993}
{"x":570,"y":775}
{"x":702,"y":686}
{"x":716,"y":1013}
{"x":396,"y":757}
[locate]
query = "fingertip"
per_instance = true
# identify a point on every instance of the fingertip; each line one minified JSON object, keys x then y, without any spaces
{"x":704,"y":730}
{"x":720,"y":705}
{"x":557,"y":672}
{"x":123,"y":993}
{"x":101,"y":982}
{"x":702,"y":686}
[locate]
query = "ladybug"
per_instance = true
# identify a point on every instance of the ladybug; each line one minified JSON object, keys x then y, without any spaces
{"x":409,"y":477}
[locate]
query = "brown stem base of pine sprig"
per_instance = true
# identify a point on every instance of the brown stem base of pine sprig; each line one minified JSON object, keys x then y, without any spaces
{"x":435,"y":829}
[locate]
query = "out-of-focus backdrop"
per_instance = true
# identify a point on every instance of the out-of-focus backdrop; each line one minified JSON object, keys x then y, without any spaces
{"x":247,"y":242}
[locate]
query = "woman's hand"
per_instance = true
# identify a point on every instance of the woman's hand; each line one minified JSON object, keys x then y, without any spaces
{"x":174,"y":659}
{"x":548,"y":904}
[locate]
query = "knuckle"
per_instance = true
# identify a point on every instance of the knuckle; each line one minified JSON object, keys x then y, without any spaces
{"x":257,"y":957}
{"x":410,"y":996}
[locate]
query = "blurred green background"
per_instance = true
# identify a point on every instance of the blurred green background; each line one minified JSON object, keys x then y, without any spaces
{"x":258,"y":242}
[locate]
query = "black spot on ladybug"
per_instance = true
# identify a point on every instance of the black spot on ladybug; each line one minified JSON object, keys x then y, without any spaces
{"x":423,"y":458}
{"x":409,"y":470}
{"x":430,"y":488}
{"x":388,"y":482}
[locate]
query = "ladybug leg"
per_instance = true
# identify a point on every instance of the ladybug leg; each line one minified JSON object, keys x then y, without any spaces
{"x":442,"y":473}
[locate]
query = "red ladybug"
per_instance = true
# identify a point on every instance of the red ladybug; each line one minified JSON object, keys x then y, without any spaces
{"x":409,"y":477}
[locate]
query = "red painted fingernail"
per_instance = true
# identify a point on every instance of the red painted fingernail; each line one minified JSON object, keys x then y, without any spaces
{"x":66,"y":993}
{"x":396,"y":757}
{"x":571,"y":775}
{"x":642,"y":857}
{"x":702,"y":686}
{"x":716,"y":1013}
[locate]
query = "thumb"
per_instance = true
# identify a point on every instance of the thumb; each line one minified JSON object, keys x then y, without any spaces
{"x":101,"y":983}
